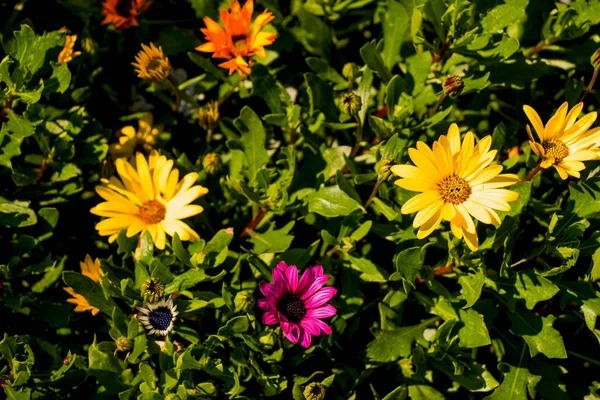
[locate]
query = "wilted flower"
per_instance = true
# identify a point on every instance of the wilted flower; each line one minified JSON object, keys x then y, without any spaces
{"x":208,"y":115}
{"x":240,"y":40}
{"x":158,"y":318}
{"x":91,"y":269}
{"x":123,"y":344}
{"x":456,"y":182}
{"x":212,"y":163}
{"x":132,"y":141}
{"x":298,"y":306}
{"x":350,"y":103}
{"x":314,"y":391}
{"x":123,"y":13}
{"x":148,"y":197}
{"x":243,"y":301}
{"x":565,"y":141}
{"x":153,"y":289}
{"x":89,"y":45}
{"x":453,"y":85}
{"x":67,"y":53}
{"x":151,"y":63}
{"x":595,"y":59}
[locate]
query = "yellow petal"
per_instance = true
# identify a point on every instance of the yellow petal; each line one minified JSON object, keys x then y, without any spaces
{"x":420,"y":201}
{"x":536,"y":121}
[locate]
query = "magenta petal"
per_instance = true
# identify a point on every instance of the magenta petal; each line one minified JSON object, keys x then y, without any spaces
{"x":267,"y":289}
{"x":270,"y":318}
{"x":281,"y":266}
{"x":292,"y":331}
{"x":306,"y":339}
{"x":316,"y":285}
{"x":266,"y":304}
{"x":321,"y":297}
{"x":279,"y":279}
{"x":305,"y":281}
{"x":309,"y":325}
{"x":325,"y":329}
{"x":325,"y":311}
{"x":291,"y":274}
{"x":317,"y":270}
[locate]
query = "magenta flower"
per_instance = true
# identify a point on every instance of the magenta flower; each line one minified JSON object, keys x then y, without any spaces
{"x":298,"y":305}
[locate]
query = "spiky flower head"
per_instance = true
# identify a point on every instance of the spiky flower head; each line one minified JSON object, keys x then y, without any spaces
{"x":453,"y":85}
{"x":123,"y":344}
{"x":595,"y":59}
{"x":151,"y":63}
{"x":314,"y":391}
{"x":212,"y":163}
{"x":158,"y":317}
{"x":153,"y":289}
{"x":243,"y":301}
{"x":350,"y":103}
{"x":209,"y":115}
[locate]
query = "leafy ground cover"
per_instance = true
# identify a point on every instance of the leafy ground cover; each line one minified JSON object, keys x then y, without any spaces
{"x":307,"y":199}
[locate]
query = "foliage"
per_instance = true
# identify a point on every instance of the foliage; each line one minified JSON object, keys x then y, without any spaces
{"x":297,"y":175}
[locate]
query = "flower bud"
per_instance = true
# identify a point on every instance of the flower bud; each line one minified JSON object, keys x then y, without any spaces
{"x":123,"y":344}
{"x":453,"y":85}
{"x":243,"y":301}
{"x":212,"y":163}
{"x":350,"y":103}
{"x":209,"y":115}
{"x":153,"y":289}
{"x":314,"y":391}
{"x":595,"y":59}
{"x":67,"y":360}
{"x":350,"y":71}
{"x":383,"y":169}
{"x":89,"y":45}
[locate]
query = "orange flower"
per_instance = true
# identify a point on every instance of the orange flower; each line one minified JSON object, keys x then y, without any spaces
{"x":240,"y":40}
{"x":123,"y":13}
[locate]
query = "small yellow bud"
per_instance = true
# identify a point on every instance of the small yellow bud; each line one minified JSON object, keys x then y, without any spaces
{"x":350,"y":103}
{"x":314,"y":391}
{"x":595,"y":59}
{"x":350,"y":71}
{"x":453,"y":85}
{"x":209,"y":115}
{"x":212,"y":163}
{"x":123,"y":344}
{"x":153,"y":289}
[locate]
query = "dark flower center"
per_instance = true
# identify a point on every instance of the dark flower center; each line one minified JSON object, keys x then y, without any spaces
{"x":124,"y":8}
{"x":292,"y":307}
{"x":556,"y":149}
{"x":239,"y":41}
{"x":455,"y":190}
{"x":152,"y":212}
{"x":161,"y":318}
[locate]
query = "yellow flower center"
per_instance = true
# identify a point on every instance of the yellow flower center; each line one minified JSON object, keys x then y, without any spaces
{"x":556,"y":149}
{"x":239,"y":41}
{"x":454,"y":189}
{"x":152,"y":212}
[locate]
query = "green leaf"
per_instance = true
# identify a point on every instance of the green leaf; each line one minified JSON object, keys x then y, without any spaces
{"x":538,"y":333}
{"x":395,"y":21}
{"x":471,"y":285}
{"x":400,"y":393}
{"x":518,"y":380}
{"x":93,"y":293}
{"x":185,"y":281}
{"x":267,"y":88}
{"x":332,"y":202}
{"x":532,"y":288}
{"x":424,"y":392}
{"x":504,"y":15}
{"x":409,"y":263}
{"x":234,"y":326}
{"x":388,"y":346}
{"x":253,"y":140}
{"x":207,"y":65}
{"x":16,"y":215}
{"x":59,"y":80}
{"x":32,"y":52}
{"x":320,"y":97}
{"x":326,"y":72}
{"x":273,"y":240}
{"x":475,"y":84}
{"x":372,"y":57}
{"x":473,"y":376}
{"x":369,"y":271}
{"x":473,"y":332}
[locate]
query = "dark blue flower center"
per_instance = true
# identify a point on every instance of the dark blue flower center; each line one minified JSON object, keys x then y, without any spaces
{"x":292,"y":307}
{"x":160,"y":318}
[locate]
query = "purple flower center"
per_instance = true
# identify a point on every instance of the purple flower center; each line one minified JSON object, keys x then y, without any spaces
{"x":292,"y":307}
{"x":161,"y":318}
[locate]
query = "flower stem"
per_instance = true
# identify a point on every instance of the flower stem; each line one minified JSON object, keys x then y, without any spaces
{"x":209,"y":133}
{"x":533,"y":173}
{"x":538,"y":48}
{"x":373,"y":193}
{"x":446,"y":269}
{"x":253,"y":223}
{"x":176,"y":91}
{"x":358,"y":137}
{"x":230,"y":91}
{"x":437,"y":105}
{"x":590,"y":86}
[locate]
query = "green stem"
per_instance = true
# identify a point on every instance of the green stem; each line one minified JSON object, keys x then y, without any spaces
{"x":586,"y":358}
{"x":176,"y":91}
{"x":230,"y":91}
{"x":373,"y":193}
{"x":437,"y":105}
{"x":590,"y":86}
{"x":538,"y":48}
{"x":358,"y":137}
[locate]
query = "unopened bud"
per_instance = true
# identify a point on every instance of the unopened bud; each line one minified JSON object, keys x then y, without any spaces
{"x":153,"y":289}
{"x":350,"y":71}
{"x":453,"y":85}
{"x":350,"y":103}
{"x":383,"y":169}
{"x":67,"y":360}
{"x":212,"y":163}
{"x":209,"y":115}
{"x":243,"y":301}
{"x":123,"y":344}
{"x":595,"y":59}
{"x":89,"y":45}
{"x":314,"y":391}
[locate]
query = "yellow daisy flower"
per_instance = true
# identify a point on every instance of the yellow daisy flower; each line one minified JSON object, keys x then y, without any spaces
{"x":456,"y":182}
{"x":91,"y":268}
{"x":151,"y":63}
{"x":565,"y":141}
{"x":132,"y":141}
{"x":81,"y":302}
{"x":67,"y":53}
{"x":148,"y":197}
